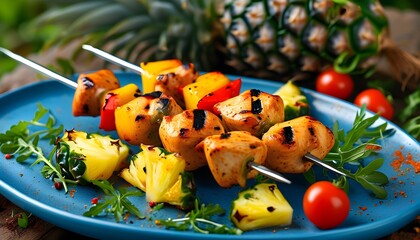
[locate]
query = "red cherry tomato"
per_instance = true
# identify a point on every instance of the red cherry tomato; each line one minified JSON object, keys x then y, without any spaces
{"x":326,"y":205}
{"x":376,"y":102}
{"x":334,"y":84}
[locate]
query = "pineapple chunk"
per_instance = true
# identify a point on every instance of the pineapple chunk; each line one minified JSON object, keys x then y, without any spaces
{"x":86,"y":157}
{"x":162,"y":176}
{"x":259,"y":207}
{"x":295,"y":103}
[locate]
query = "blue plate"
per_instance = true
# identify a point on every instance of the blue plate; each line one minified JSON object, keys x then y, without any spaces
{"x":369,"y":218}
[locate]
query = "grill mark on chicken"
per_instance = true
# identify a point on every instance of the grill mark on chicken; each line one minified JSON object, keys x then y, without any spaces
{"x":88,"y":83}
{"x":256,"y":105}
{"x":137,"y":93}
{"x":199,"y":119}
{"x":164,"y":102}
{"x":183,"y":132}
{"x":288,"y":135}
{"x":139,"y":117}
{"x":225,"y":135}
{"x":153,"y":95}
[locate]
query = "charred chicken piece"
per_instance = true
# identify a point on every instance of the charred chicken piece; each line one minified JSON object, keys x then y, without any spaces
{"x":228,"y":155}
{"x":182,"y":132}
{"x":138,"y":121}
{"x":90,"y":91}
{"x":253,"y":111}
{"x":171,"y":81}
{"x":288,"y":142}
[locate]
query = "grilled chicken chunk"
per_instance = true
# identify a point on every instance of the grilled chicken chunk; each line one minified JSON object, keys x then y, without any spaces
{"x":182,"y":132}
{"x":170,"y":81}
{"x":138,"y":121}
{"x":228,"y":155}
{"x":253,"y":111}
{"x":91,"y":88}
{"x":289,"y":141}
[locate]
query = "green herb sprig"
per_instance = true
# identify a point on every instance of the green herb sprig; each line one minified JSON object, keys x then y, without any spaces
{"x":353,"y":146}
{"x":20,"y":141}
{"x":198,"y":219}
{"x":116,"y":202}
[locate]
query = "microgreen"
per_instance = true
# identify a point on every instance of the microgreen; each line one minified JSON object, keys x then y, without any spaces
{"x":116,"y":202}
{"x":22,"y":140}
{"x":198,"y":219}
{"x":353,"y":146}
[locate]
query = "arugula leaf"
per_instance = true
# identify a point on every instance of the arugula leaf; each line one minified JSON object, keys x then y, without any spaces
{"x":116,"y":202}
{"x":198,"y":219}
{"x":21,"y":141}
{"x":352,"y":147}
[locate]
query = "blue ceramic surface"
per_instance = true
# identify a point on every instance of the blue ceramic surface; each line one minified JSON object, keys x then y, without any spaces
{"x":25,"y":186}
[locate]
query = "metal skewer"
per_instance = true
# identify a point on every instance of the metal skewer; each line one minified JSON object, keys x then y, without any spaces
{"x":113,"y":59}
{"x":106,"y":56}
{"x":40,"y":68}
{"x":319,"y":162}
{"x":263,"y":170}
{"x":268,"y":172}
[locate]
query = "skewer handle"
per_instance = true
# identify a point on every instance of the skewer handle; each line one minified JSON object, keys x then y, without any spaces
{"x":268,"y":172}
{"x":113,"y":59}
{"x":40,"y":68}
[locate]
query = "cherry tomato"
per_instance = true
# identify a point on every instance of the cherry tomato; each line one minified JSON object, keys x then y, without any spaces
{"x":326,"y":205}
{"x":376,"y":102}
{"x":334,"y":84}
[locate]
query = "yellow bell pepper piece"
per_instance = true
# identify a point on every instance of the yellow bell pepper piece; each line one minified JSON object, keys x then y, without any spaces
{"x":154,"y":69}
{"x":204,"y":85}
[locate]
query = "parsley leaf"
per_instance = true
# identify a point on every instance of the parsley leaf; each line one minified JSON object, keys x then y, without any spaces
{"x":116,"y":202}
{"x":198,"y":219}
{"x":353,"y":146}
{"x":19,"y":140}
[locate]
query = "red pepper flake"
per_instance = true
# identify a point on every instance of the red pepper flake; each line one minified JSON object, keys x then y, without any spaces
{"x":363,"y":208}
{"x":8,"y":156}
{"x":400,"y":159}
{"x":402,"y":193}
{"x":416,"y":165}
{"x":152,"y":204}
{"x":94,"y":200}
{"x":72,"y":192}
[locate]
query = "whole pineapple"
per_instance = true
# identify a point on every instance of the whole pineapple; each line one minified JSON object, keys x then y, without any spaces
{"x":264,"y":38}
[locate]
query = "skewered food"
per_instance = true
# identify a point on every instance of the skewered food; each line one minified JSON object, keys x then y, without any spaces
{"x":172,"y":80}
{"x":138,"y":121}
{"x":162,"y":176}
{"x":228,"y":155}
{"x":151,"y":70}
{"x":114,"y":99}
{"x":261,"y":206}
{"x":91,"y":88}
{"x":182,"y":132}
{"x":203,"y":85}
{"x":85,"y":157}
{"x":295,"y":102}
{"x":289,"y":141}
{"x":253,"y":111}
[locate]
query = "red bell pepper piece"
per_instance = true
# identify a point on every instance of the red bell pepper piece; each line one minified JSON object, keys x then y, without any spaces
{"x":107,"y":122}
{"x":230,"y":90}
